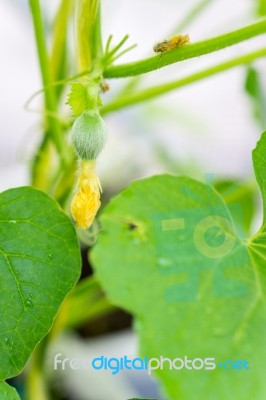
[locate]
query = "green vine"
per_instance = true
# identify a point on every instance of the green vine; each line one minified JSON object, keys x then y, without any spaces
{"x":47,"y":78}
{"x":153,"y":92}
{"x":187,"y":52}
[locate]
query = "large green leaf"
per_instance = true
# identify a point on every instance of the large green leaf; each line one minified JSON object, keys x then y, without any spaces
{"x":7,"y":392}
{"x":170,"y":254}
{"x":39,"y":264}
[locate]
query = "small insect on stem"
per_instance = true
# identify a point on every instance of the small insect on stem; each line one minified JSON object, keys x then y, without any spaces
{"x":172,"y":43}
{"x":104,"y":86}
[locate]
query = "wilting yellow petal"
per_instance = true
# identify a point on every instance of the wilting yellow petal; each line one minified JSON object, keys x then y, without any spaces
{"x":86,"y":202}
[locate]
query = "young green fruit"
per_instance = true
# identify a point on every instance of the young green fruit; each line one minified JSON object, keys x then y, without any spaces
{"x":89,"y":135}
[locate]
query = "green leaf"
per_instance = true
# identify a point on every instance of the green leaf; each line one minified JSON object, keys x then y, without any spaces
{"x":7,"y":392}
{"x":259,"y":162}
{"x":254,"y":88}
{"x":39,"y":264}
{"x":77,"y":98}
{"x":241,"y":193}
{"x":171,"y":254}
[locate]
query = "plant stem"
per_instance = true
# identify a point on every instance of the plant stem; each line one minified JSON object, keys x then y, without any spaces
{"x":87,"y":20}
{"x":85,"y":303}
{"x":59,"y":46}
{"x":35,"y":383}
{"x":40,"y":168}
{"x":186,"y":52}
{"x":261,"y":7}
{"x":50,"y":98}
{"x":185,"y":22}
{"x":153,"y":92}
{"x":97,"y":45}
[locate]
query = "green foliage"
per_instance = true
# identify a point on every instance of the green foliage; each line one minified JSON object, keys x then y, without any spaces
{"x":88,"y":34}
{"x":239,"y":193}
{"x":130,"y":98}
{"x":39,"y":256}
{"x":85,"y":96}
{"x":89,"y":135}
{"x":77,"y":98}
{"x":7,"y":392}
{"x":187,"y":52}
{"x":259,"y":161}
{"x":254,"y":88}
{"x":188,"y":297}
{"x":262,"y":8}
{"x":39,"y":264}
{"x":54,"y":130}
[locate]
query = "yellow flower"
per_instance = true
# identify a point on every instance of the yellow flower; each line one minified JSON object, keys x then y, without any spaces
{"x":86,"y":201}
